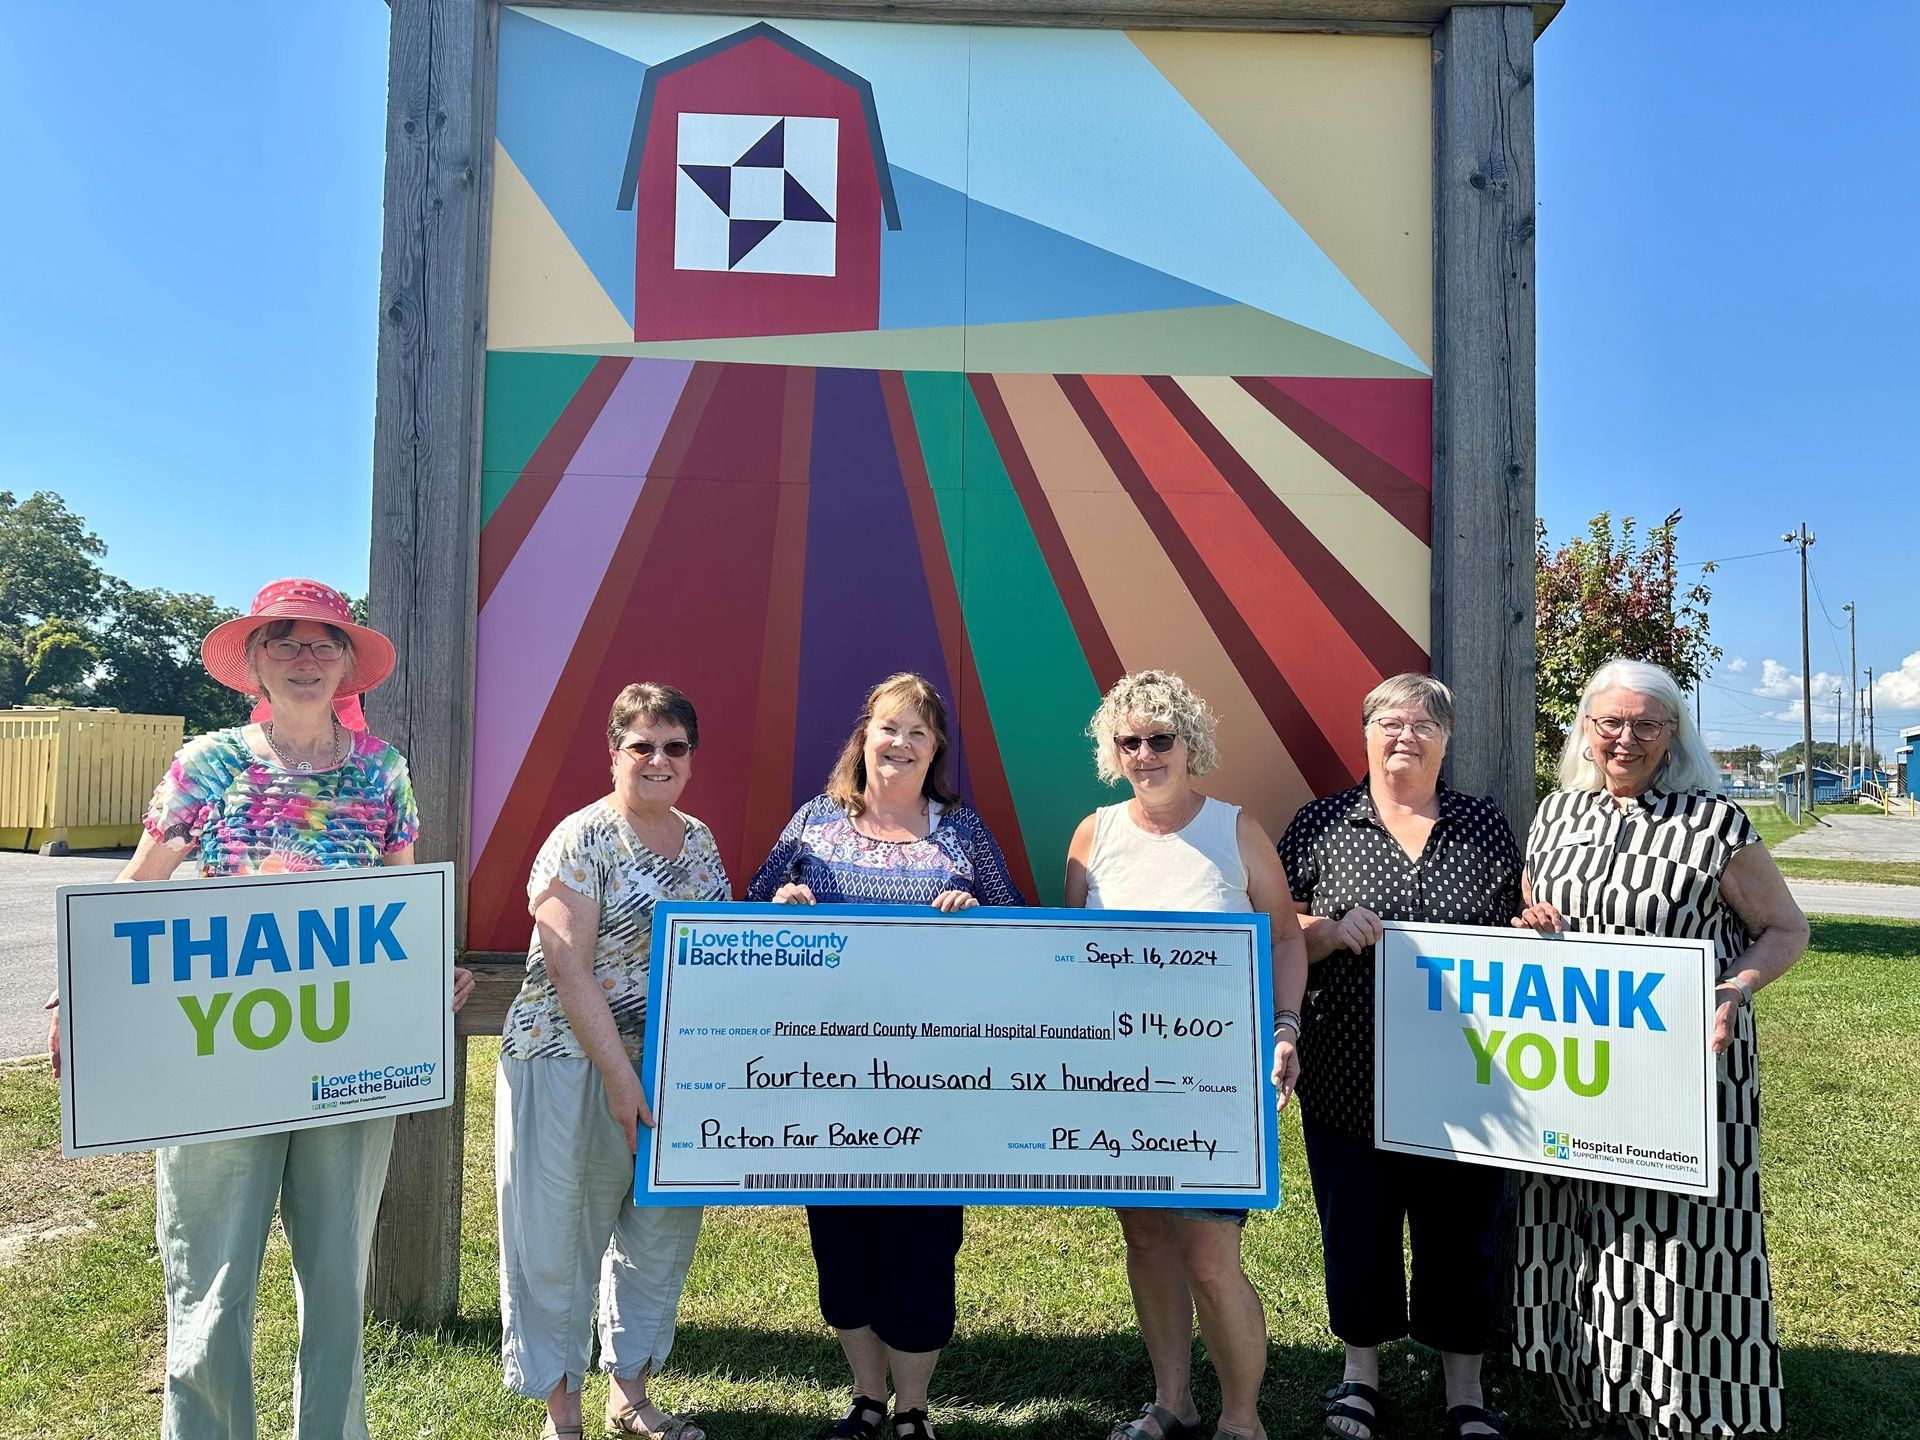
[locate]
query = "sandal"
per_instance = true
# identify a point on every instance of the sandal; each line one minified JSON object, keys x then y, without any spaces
{"x":1336,"y":1404}
{"x":1461,"y":1416}
{"x":911,"y":1425}
{"x":1172,"y":1427}
{"x":628,"y":1422}
{"x":551,"y":1431}
{"x":854,"y":1425}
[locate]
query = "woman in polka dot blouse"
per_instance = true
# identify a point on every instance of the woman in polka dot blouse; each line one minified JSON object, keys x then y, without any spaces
{"x":1399,"y":846}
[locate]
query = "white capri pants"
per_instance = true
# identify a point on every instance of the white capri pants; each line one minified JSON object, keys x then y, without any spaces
{"x":565,"y":1178}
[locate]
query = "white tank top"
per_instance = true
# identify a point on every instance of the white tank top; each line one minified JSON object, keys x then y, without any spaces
{"x":1198,"y":867}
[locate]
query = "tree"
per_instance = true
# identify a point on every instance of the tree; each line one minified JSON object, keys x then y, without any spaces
{"x":47,"y":573}
{"x":150,"y":657}
{"x":1828,"y":756}
{"x":1602,"y":597}
{"x":58,"y":656}
{"x":1741,"y":757}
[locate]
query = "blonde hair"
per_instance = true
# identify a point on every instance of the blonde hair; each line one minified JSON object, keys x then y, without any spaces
{"x":847,"y":781}
{"x":1161,"y":698}
{"x":1688,"y":764}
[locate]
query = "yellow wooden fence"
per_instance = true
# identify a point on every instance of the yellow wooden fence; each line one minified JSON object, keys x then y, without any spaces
{"x":79,"y":778}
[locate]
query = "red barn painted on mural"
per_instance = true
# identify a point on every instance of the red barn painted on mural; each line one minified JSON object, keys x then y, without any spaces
{"x":759,"y":184}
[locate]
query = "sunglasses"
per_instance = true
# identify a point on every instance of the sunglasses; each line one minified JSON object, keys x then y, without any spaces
{"x":287,"y":648}
{"x":1160,"y":744}
{"x":672,"y":749}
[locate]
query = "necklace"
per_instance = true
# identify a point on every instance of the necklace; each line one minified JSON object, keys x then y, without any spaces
{"x":305,"y":766}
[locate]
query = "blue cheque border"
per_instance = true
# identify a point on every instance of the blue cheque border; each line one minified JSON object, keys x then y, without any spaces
{"x":660,"y":967}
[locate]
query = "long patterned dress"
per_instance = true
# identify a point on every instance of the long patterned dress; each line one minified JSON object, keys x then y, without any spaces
{"x":1648,"y":1306}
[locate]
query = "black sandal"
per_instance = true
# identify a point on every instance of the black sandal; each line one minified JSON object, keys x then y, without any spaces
{"x":854,"y":1425}
{"x":911,"y":1425}
{"x":1334,"y":1405}
{"x":1461,"y":1416}
{"x":1172,"y":1427}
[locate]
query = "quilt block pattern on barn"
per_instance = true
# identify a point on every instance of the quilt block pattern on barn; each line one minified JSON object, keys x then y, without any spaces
{"x":1018,"y":357}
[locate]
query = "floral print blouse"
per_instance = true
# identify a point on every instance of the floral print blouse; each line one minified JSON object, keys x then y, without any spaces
{"x":595,"y":853}
{"x":238,"y":814}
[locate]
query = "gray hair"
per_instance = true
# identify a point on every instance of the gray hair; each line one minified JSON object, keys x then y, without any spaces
{"x":1162,"y":698}
{"x":1398,"y":692}
{"x":1689,"y":764}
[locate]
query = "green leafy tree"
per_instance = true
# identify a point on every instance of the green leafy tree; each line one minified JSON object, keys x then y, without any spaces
{"x":1603,"y":596}
{"x":150,"y":657}
{"x":59,"y":657}
{"x":1741,"y":757}
{"x":48,"y":571}
{"x":1826,"y":755}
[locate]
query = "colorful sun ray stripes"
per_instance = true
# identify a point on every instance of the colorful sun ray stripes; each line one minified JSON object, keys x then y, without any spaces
{"x":774,"y":539}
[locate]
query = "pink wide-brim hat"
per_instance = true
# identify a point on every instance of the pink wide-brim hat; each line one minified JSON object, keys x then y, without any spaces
{"x":224,"y":651}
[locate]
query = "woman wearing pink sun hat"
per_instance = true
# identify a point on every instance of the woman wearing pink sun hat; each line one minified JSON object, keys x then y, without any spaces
{"x":293,"y":790}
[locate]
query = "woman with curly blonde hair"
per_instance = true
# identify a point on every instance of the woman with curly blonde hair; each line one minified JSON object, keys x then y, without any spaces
{"x":1170,"y":847}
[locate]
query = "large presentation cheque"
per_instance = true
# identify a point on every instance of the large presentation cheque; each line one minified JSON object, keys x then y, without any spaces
{"x":1569,"y":1054}
{"x":209,"y":1009}
{"x":848,"y":1054}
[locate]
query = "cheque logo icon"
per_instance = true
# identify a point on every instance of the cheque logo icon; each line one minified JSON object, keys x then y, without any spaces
{"x":1556,"y":1144}
{"x":747,"y":946}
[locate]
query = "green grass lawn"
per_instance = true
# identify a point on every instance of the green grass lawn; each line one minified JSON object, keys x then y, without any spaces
{"x":1047,"y":1346}
{"x":1857,"y":872}
{"x":1772,"y":823}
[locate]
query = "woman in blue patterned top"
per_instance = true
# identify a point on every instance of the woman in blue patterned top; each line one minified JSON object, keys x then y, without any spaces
{"x":888,"y":831}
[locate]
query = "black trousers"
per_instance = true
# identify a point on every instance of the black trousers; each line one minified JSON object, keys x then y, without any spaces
{"x":1450,"y":1212}
{"x":889,"y":1267}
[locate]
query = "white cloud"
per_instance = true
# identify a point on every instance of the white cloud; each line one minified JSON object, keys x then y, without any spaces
{"x":1737,"y":665}
{"x":1779,"y":683}
{"x":1899,"y":690}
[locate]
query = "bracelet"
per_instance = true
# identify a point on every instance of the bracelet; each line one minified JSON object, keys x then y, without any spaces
{"x":1741,"y":984}
{"x":1287,"y":1020}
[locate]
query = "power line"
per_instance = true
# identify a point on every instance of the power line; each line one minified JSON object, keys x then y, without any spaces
{"x":1833,"y":630}
{"x":1728,"y":559}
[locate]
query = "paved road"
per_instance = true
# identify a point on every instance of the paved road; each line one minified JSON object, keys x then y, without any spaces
{"x":1830,"y":897}
{"x":1856,"y":837}
{"x":27,"y":883}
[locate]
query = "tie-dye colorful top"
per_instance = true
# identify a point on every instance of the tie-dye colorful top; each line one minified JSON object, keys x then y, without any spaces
{"x":595,"y":853}
{"x":241,"y":815}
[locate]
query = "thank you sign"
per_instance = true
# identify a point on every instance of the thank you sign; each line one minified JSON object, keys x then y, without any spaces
{"x":1573,"y":1054}
{"x":209,"y":1009}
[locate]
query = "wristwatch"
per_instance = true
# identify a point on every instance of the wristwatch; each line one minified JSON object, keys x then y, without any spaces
{"x":1743,"y":985}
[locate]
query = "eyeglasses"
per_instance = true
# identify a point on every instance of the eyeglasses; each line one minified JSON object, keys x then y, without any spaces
{"x":1160,"y":744}
{"x":643,"y":749}
{"x":288,"y":648}
{"x":1644,"y":731}
{"x":1394,"y":729}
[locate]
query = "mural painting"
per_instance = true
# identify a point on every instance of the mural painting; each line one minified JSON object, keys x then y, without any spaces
{"x":1019,"y":357}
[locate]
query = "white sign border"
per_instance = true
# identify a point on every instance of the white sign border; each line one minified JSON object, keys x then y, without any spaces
{"x":1705,"y":1182}
{"x":69,"y":1118}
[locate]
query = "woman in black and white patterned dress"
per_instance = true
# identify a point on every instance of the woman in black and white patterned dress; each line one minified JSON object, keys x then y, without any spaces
{"x":1653,"y":1311}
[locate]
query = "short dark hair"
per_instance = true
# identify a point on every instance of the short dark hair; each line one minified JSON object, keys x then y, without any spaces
{"x":650,"y":700}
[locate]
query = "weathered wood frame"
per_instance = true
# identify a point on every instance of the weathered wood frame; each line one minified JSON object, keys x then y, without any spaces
{"x":426,"y":484}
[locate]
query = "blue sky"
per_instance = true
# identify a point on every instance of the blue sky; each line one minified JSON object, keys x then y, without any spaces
{"x":1727,"y":232}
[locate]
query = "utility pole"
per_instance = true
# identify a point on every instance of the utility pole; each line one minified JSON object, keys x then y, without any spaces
{"x":1872,"y":762}
{"x":1853,"y":690}
{"x":1803,"y":541}
{"x":1838,"y":691}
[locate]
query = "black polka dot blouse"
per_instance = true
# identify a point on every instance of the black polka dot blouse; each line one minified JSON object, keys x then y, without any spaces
{"x":1338,"y":856}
